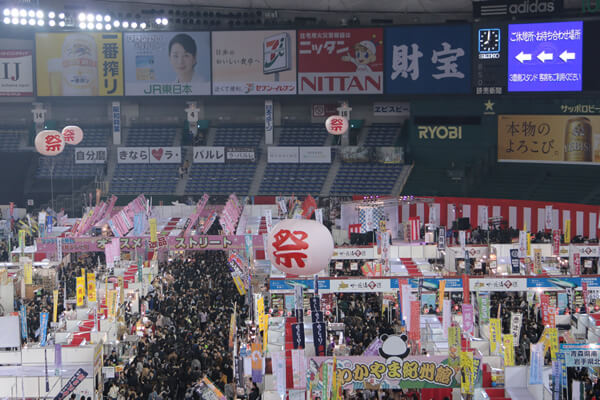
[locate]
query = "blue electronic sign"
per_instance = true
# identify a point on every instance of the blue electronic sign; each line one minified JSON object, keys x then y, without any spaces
{"x":545,"y":57}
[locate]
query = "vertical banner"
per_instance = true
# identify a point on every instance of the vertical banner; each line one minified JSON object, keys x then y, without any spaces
{"x":446,"y":317}
{"x":319,"y":337}
{"x":299,"y":369}
{"x":553,"y":338}
{"x":522,"y":244}
{"x":567,"y":238}
{"x":467,"y":311}
{"x":111,"y":303}
{"x":462,"y":240}
{"x":414,"y":332}
{"x":28,"y":271}
{"x":563,"y":369}
{"x":441,"y":242}
{"x":556,"y":380}
{"x":544,"y":309}
{"x":509,"y":350}
{"x":466,"y":365}
{"x":484,"y":308}
{"x":298,"y":336}
{"x":116,"y":122}
{"x":22,"y":241}
{"x":555,"y":242}
{"x":548,"y":219}
{"x":269,"y":220}
{"x":441,"y":289}
{"x":152,"y":224}
{"x":537,"y":261}
{"x":278,"y":362}
{"x":406,"y":299}
{"x":54,"y":305}
{"x":80,"y":285}
{"x":515,"y":262}
{"x":586,"y":296}
{"x":528,"y":243}
{"x":454,"y":347}
{"x":537,"y":364}
{"x":466,"y":292}
{"x":576,"y":264}
{"x":319,"y":215}
{"x":23,"y":315}
{"x":269,"y":121}
{"x":256,"y":363}
{"x":516,"y":320}
{"x":91,"y":287}
{"x":495,"y":332}
{"x":43,"y":327}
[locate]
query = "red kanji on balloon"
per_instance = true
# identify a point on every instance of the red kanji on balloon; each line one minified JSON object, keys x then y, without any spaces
{"x":53,"y":142}
{"x":288,"y":246}
{"x":69,"y":135}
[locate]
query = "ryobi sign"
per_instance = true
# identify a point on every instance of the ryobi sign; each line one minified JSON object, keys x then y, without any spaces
{"x":441,"y":132}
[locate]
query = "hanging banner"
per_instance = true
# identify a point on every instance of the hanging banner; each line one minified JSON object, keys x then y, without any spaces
{"x":446,"y":317}
{"x":91,"y":287}
{"x":111,"y":303}
{"x":537,"y":364}
{"x":256,"y":363}
{"x":269,"y":116}
{"x":516,"y":320}
{"x":509,"y":350}
{"x":414,"y":332}
{"x":522,"y":244}
{"x":299,"y":369}
{"x":319,"y":215}
{"x":441,"y":242}
{"x":467,"y":311}
{"x":553,"y":342}
{"x":319,"y":337}
{"x":72,"y":384}
{"x":495,"y":332}
{"x":28,"y":271}
{"x":54,"y":305}
{"x":567,"y":238}
{"x":484,"y":308}
{"x":454,"y":346}
{"x":462,"y":240}
{"x":515,"y":262}
{"x":80,"y":284}
{"x":376,"y":372}
{"x":298,"y":336}
{"x":537,"y":261}
{"x":576,"y":264}
{"x":43,"y":327}
{"x":340,"y":61}
{"x":23,"y":316}
{"x":555,"y":242}
{"x":278,"y":362}
{"x":466,"y":365}
{"x":441,"y":289}
{"x":544,"y":309}
{"x":466,"y":288}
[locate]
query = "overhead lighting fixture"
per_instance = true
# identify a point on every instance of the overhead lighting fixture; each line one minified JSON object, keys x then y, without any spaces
{"x":81,"y":17}
{"x":116,"y":23}
{"x":51,"y":22}
{"x":107,"y":18}
{"x":32,"y":22}
{"x":39,"y":14}
{"x":157,"y":20}
{"x":98,"y":17}
{"x":40,"y":22}
{"x":99,"y":26}
{"x":31,"y":13}
{"x":143,"y":25}
{"x":125,"y":24}
{"x":165,"y":21}
{"x":15,"y":21}
{"x":90,"y":18}
{"x":134,"y":25}
{"x":61,"y":24}
{"x":23,"y":21}
{"x":22,"y":13}
{"x":51,"y":15}
{"x":81,"y":25}
{"x":14,"y":12}
{"x":90,"y":25}
{"x":6,"y":12}
{"x":108,"y":27}
{"x":61,"y":15}
{"x":7,"y":20}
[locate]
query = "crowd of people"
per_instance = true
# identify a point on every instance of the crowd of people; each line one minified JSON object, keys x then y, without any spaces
{"x":189,"y":310}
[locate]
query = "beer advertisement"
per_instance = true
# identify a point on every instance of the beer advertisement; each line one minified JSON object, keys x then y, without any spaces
{"x":567,"y":139}
{"x":79,"y":64}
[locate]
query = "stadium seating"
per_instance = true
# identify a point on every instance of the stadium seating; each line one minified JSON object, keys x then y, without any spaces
{"x":303,"y":135}
{"x":365,"y":178}
{"x":95,"y":136}
{"x":382,"y":134}
{"x":65,"y":167}
{"x":239,"y":135}
{"x":145,"y":178}
{"x":220,"y":178}
{"x":294,"y":178}
{"x":151,"y":136}
{"x":10,"y":137}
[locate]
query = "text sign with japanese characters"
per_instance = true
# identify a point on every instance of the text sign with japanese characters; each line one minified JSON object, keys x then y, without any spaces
{"x":167,"y":63}
{"x":428,"y":59}
{"x":545,"y":57}
{"x":254,"y":63}
{"x":568,"y":139}
{"x":149,"y":155}
{"x":90,"y":155}
{"x":348,"y":61}
{"x":209,"y":154}
{"x":79,"y":64}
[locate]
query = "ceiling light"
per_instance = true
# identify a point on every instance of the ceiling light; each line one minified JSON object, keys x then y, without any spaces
{"x":143,"y":25}
{"x":90,"y":18}
{"x":158,"y":21}
{"x":61,"y":24}
{"x":98,"y":17}
{"x":40,"y":22}
{"x":108,"y":27}
{"x":81,"y":17}
{"x":31,"y":13}
{"x":51,"y":22}
{"x":81,"y":25}
{"x":7,"y":20}
{"x":134,"y":25}
{"x":116,"y":23}
{"x":51,"y":14}
{"x":32,"y":22}
{"x":39,"y":14}
{"x":22,"y":13}
{"x":99,"y":26}
{"x":107,"y":18}
{"x":61,"y":15}
{"x":6,"y":12}
{"x":14,"y":12}
{"x":125,"y":24}
{"x":165,"y":21}
{"x":90,"y":25}
{"x":23,"y":21}
{"x":15,"y":21}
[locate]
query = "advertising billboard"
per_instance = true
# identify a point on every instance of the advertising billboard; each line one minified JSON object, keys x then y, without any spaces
{"x":348,"y":61}
{"x":167,"y":63}
{"x":545,"y":57}
{"x":254,"y":63}
{"x":568,"y":139}
{"x":428,"y":59}
{"x":79,"y":64}
{"x":489,"y":43}
{"x":16,"y":67}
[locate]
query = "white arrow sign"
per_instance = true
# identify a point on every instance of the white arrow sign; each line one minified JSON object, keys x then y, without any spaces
{"x":566,"y":56}
{"x":523,"y":57}
{"x":543,"y":56}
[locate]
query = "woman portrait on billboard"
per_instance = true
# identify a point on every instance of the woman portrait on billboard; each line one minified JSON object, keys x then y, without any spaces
{"x":182,"y":55}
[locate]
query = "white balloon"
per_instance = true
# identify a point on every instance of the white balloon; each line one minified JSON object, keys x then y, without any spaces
{"x":300,"y":247}
{"x":337,"y":125}
{"x":72,"y":134}
{"x":49,"y":143}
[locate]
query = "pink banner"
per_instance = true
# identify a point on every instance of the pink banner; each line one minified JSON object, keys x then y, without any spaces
{"x":555,"y":242}
{"x":194,"y":218}
{"x":577,"y":264}
{"x":467,"y":314}
{"x":195,"y":242}
{"x":415,"y":320}
{"x":545,"y":309}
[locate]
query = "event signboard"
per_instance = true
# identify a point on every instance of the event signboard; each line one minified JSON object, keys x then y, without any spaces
{"x":565,"y":139}
{"x":282,"y":154}
{"x":240,"y":155}
{"x":315,"y":154}
{"x":340,"y":61}
{"x":545,"y":57}
{"x":79,"y":64}
{"x":16,"y":74}
{"x":581,"y":354}
{"x":353,"y":253}
{"x":152,"y":155}
{"x":90,"y":155}
{"x":428,"y":59}
{"x":167,"y":63}
{"x":359,"y":372}
{"x":209,"y":154}
{"x":254,"y":63}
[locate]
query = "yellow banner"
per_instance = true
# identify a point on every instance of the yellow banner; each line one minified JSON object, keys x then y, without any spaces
{"x":239,"y":285}
{"x":568,"y":231}
{"x":441,"y":299}
{"x":537,"y":261}
{"x":572,"y":139}
{"x":91,"y":286}
{"x":553,"y":339}
{"x":54,"y":305}
{"x":509,"y":350}
{"x":80,"y":290}
{"x":121,"y":297}
{"x":3,"y":276}
{"x":260,"y":306}
{"x":152,"y":223}
{"x":495,"y":332}
{"x":83,"y":272}
{"x":79,"y":64}
{"x":265,"y":332}
{"x":466,"y":364}
{"x":454,"y":346}
{"x":28,"y":272}
{"x":528,"y":243}
{"x":111,"y":303}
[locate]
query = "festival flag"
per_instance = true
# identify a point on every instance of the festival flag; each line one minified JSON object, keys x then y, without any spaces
{"x":80,"y":284}
{"x":553,"y":342}
{"x":415,"y":320}
{"x":28,"y":271}
{"x":466,"y":289}
{"x":466,"y":365}
{"x":446,"y":317}
{"x":152,"y":224}
{"x":54,"y":305}
{"x":442,"y":289}
{"x":537,"y":364}
{"x":555,"y":242}
{"x":567,"y":231}
{"x":91,"y":287}
{"x":467,"y":313}
{"x":308,"y":207}
{"x":415,"y":229}
{"x":43,"y":328}
{"x":495,"y":332}
{"x":23,"y":315}
{"x":111,"y":303}
{"x":454,"y":346}
{"x":256,"y":363}
{"x":509,"y":350}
